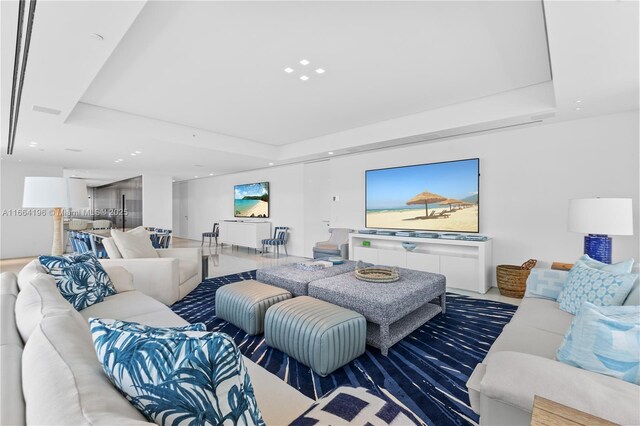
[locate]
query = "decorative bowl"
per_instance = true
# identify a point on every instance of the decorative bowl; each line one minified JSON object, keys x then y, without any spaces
{"x":335,"y":260}
{"x":376,"y":274}
{"x":408,"y":246}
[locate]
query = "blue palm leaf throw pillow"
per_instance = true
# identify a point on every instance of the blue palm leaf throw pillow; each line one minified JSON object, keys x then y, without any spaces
{"x":604,"y":340}
{"x":177,"y":376}
{"x":80,"y":278}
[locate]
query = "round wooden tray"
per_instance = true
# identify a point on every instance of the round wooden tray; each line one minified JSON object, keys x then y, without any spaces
{"x":377,"y":274}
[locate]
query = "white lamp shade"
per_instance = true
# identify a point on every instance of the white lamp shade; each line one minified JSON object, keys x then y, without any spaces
{"x":54,"y":192}
{"x":606,"y":216}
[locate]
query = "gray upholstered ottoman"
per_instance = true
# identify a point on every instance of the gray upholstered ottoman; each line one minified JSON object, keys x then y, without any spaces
{"x":297,"y":280}
{"x":318,"y":334}
{"x":244,"y":304}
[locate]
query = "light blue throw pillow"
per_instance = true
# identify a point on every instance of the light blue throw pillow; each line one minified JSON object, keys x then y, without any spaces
{"x":585,"y":284}
{"x":80,"y":278}
{"x":623,"y":267}
{"x":177,"y":376}
{"x":604,"y":340}
{"x":545,"y":283}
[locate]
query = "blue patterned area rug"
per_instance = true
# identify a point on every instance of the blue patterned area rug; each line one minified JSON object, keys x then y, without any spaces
{"x":427,"y":370}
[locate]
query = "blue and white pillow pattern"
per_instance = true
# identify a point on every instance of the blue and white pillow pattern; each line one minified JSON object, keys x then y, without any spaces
{"x":80,"y":278}
{"x":356,"y":406}
{"x":604,"y":340}
{"x":602,"y":288}
{"x":545,"y":283}
{"x":177,"y":376}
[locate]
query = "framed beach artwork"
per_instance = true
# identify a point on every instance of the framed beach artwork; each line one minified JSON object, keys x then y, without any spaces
{"x":251,"y":200}
{"x":425,"y":197}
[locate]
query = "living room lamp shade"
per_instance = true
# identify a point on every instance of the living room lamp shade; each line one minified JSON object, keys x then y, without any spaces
{"x":600,"y":217}
{"x":56,"y":193}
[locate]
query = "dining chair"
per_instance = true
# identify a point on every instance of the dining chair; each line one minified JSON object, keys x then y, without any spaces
{"x":280,"y":238}
{"x":213,"y":234}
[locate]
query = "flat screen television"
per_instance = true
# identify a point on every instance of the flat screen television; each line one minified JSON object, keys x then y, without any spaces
{"x":439,"y":197}
{"x":251,"y":200}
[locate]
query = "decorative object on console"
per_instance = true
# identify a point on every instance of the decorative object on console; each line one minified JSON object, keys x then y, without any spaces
{"x":366,"y":243}
{"x":335,"y":260}
{"x":367,"y":231}
{"x":600,"y":217}
{"x":170,"y":374}
{"x":80,"y":278}
{"x":385,"y":233}
{"x":512,"y":280}
{"x":587,"y":284}
{"x":427,"y":235}
{"x":376,"y":274}
{"x":408,"y":246}
{"x":604,"y":340}
{"x":56,"y":193}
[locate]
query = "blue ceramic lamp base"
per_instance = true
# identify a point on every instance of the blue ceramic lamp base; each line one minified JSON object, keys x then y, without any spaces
{"x":598,"y":247}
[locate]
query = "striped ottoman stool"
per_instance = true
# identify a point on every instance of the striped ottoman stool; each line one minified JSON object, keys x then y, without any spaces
{"x":319,"y":334}
{"x":244,"y":304}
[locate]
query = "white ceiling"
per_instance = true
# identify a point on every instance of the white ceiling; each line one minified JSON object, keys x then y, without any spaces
{"x":219,"y":66}
{"x":202,"y":83}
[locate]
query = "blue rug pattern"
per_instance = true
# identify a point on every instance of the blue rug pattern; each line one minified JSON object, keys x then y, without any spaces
{"x":427,"y":370}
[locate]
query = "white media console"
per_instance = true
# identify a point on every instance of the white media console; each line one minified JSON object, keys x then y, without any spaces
{"x":466,"y":264}
{"x":245,"y":234}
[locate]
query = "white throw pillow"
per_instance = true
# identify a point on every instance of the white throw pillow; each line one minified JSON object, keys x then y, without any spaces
{"x":134,"y":244}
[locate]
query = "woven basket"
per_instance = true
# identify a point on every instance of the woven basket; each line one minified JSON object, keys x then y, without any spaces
{"x":512,"y":280}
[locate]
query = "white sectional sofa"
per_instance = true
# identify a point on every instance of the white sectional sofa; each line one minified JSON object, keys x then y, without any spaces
{"x":167,"y":278}
{"x":50,"y":373}
{"x":522,"y":363}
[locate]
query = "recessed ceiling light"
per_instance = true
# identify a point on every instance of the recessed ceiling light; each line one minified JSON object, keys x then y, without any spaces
{"x":96,"y":37}
{"x":210,"y":174}
{"x":304,"y":78}
{"x":579,"y":101}
{"x":578,"y":109}
{"x":271,"y":164}
{"x":304,"y":62}
{"x":320,"y":71}
{"x":133,"y":154}
{"x":330,"y":152}
{"x":33,"y":143}
{"x":195,"y":176}
{"x":173,"y":180}
{"x":138,"y":152}
{"x":288,"y":70}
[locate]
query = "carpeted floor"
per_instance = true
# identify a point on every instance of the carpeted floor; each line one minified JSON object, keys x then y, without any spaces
{"x":427,"y":370}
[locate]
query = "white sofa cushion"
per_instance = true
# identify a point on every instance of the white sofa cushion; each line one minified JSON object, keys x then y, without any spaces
{"x":32,"y":268}
{"x":11,"y":401}
{"x":124,"y":306}
{"x":134,"y":244}
{"x":522,"y":338}
{"x":515,"y":378}
{"x":38,"y":297}
{"x":63,"y":381}
{"x":542,"y":314}
{"x":121,"y":278}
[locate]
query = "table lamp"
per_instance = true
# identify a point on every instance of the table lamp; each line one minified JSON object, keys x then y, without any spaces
{"x":56,"y":193}
{"x":599,"y":217}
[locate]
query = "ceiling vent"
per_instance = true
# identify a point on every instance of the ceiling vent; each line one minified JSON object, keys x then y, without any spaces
{"x":52,"y":111}
{"x":73,"y":150}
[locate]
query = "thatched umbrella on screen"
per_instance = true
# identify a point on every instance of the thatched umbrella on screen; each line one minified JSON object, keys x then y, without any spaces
{"x":426,"y":198}
{"x":451,"y":202}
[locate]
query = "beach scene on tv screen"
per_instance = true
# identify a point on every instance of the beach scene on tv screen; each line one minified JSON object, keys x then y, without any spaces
{"x":251,"y":200}
{"x":428,"y":197}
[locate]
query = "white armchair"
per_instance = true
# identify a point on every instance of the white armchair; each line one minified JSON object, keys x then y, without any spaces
{"x":167,"y":278}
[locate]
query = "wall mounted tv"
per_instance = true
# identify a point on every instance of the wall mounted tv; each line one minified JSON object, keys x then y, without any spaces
{"x":425,"y":197}
{"x":251,"y":200}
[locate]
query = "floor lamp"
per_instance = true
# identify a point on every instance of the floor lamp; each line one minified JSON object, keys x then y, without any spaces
{"x":55,"y":193}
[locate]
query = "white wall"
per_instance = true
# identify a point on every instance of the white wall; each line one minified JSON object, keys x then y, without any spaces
{"x":211,"y":200}
{"x":27,"y":235}
{"x":157,"y":201}
{"x":527,"y":177}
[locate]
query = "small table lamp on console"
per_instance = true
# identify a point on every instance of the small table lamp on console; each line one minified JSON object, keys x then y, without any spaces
{"x":600,"y":217}
{"x":56,"y":193}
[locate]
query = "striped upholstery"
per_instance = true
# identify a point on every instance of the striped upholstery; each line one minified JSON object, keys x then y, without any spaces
{"x":244,"y":304}
{"x":318,"y":334}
